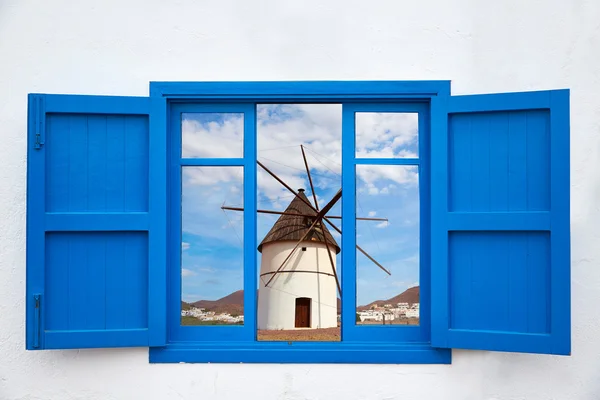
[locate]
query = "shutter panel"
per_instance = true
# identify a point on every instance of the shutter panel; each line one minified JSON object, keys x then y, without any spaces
{"x":500,"y":222}
{"x":96,"y":222}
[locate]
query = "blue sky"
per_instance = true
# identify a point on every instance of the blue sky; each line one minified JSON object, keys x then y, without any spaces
{"x":212,"y":262}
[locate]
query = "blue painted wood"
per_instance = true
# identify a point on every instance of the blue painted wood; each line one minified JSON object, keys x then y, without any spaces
{"x":499,"y":161}
{"x":82,"y":221}
{"x":96,"y":280}
{"x":483,"y":273}
{"x":112,"y":149}
{"x":500,"y":229}
{"x":299,"y":90}
{"x":158,"y":232}
{"x":439,"y":225}
{"x":348,"y":258}
{"x":250,"y":224}
{"x":499,"y":221}
{"x":503,"y":102}
{"x":89,"y":222}
{"x":560,"y":252}
{"x":271,"y":352}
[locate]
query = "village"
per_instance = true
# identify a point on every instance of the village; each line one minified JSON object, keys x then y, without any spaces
{"x":389,"y":313}
{"x":211,"y":316}
{"x":376,"y":314}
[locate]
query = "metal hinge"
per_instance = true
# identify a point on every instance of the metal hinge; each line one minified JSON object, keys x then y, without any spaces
{"x":37,"y":320}
{"x":38,"y":110}
{"x":38,"y":141}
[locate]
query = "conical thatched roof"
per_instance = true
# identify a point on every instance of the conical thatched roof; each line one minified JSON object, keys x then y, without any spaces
{"x":292,"y":227}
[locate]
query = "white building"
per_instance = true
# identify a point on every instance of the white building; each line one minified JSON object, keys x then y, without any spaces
{"x":303,"y":294}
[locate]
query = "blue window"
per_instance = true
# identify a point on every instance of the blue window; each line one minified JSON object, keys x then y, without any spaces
{"x":126,"y":196}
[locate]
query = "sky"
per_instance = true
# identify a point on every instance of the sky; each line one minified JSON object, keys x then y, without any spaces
{"x":212,"y":238}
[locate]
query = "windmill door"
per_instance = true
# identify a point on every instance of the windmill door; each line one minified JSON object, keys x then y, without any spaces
{"x":303,"y":312}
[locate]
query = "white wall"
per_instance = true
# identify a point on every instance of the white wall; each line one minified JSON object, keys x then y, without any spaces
{"x":116,"y":47}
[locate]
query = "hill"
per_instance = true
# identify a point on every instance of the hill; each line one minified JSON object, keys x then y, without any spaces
{"x":409,"y":296}
{"x":234,"y":302}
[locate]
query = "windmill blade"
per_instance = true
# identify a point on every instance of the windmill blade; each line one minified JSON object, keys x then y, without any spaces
{"x":312,"y":188}
{"x":299,"y":215}
{"x":324,"y":218}
{"x":317,"y":220}
{"x":372,"y":259}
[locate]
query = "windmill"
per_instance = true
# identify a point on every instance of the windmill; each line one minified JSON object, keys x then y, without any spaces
{"x":298,"y":274}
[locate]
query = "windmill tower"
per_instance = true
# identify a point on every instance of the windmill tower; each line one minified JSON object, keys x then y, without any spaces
{"x":303,"y":293}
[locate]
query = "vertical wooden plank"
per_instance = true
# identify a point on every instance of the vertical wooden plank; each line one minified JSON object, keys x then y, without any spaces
{"x":95,"y":278}
{"x":538,"y":160}
{"x":134,"y":297}
{"x":480,"y":162}
{"x":158,"y":232}
{"x":517,"y":162}
{"x":498,"y":146}
{"x":460,"y":297}
{"x":460,"y":154}
{"x":136,"y":163}
{"x":58,"y":159}
{"x":439,"y":232}
{"x":115,"y":163}
{"x":36,"y":205}
{"x":538,"y":279}
{"x":78,"y":163}
{"x":78,"y":263}
{"x":56,"y":298}
{"x":96,"y":158}
{"x":115,"y":283}
{"x":560,"y":254}
{"x":517,"y":272}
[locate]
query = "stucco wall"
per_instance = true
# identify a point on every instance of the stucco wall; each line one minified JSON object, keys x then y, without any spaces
{"x":116,"y":47}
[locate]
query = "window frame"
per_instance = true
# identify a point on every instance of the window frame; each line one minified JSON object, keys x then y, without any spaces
{"x":390,"y":95}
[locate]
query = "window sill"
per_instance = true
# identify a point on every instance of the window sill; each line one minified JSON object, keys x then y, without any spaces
{"x":284,"y":352}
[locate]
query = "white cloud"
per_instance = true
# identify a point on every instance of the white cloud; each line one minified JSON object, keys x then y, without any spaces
{"x":187,"y":272}
{"x":185,"y":245}
{"x":386,"y":135}
{"x":372,"y":213}
{"x":212,"y":135}
{"x":382,"y":224}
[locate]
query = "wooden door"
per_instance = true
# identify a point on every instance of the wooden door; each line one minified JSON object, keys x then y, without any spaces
{"x":303,"y":312}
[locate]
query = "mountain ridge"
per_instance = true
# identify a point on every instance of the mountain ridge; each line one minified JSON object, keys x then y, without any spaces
{"x":233,"y":303}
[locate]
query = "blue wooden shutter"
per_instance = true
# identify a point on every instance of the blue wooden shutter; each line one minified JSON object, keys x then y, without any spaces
{"x":96,"y":222}
{"x":500,"y":222}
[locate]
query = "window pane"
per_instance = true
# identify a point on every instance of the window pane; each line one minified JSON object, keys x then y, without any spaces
{"x":390,"y":192}
{"x":212,"y":256}
{"x":212,"y":135}
{"x":298,"y":296}
{"x":387,"y":135}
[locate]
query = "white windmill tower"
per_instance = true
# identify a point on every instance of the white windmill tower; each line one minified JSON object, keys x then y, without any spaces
{"x":302,"y":294}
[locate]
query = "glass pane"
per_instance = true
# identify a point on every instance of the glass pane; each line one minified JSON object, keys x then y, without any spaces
{"x":387,"y":135}
{"x":212,"y":256}
{"x":390,"y":192}
{"x":298,"y":259}
{"x":212,"y":135}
